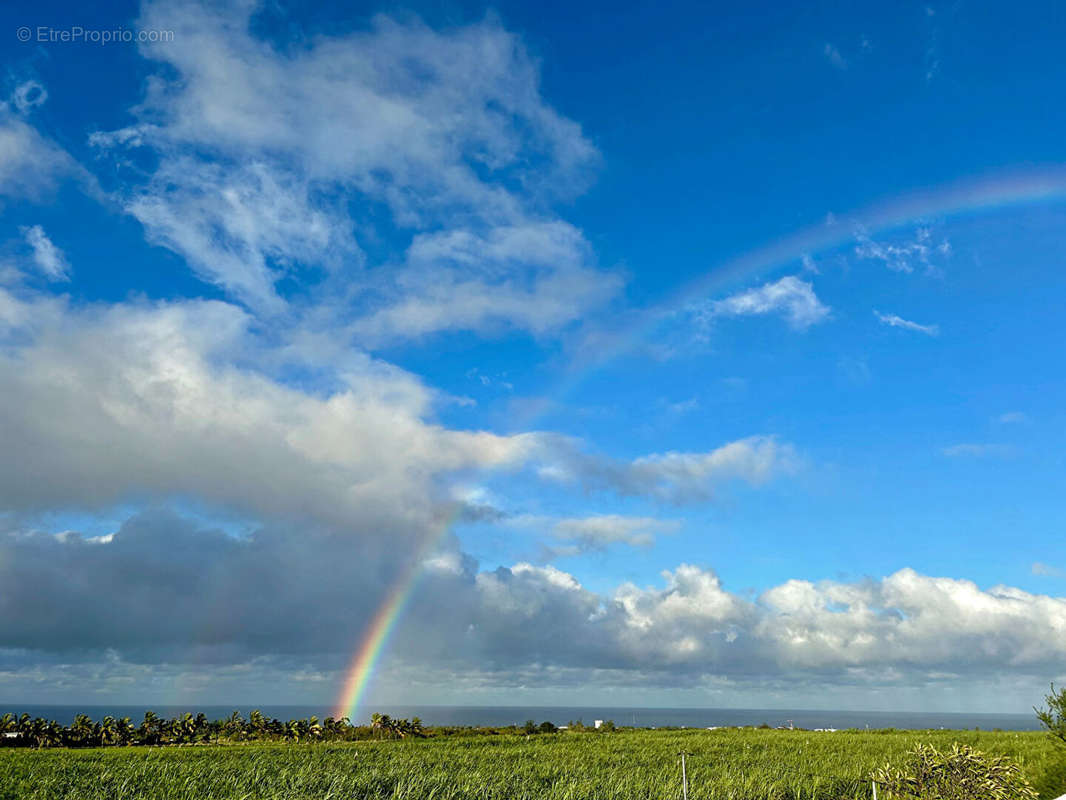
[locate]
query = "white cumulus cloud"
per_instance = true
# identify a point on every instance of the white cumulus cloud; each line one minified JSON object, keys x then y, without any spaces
{"x":789,"y":297}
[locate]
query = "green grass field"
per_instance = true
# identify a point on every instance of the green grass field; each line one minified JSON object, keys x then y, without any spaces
{"x":739,"y":764}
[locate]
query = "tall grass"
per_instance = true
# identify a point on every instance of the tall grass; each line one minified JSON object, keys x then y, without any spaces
{"x":725,"y":764}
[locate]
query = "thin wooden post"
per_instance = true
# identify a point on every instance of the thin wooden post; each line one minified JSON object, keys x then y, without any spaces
{"x":873,"y":788}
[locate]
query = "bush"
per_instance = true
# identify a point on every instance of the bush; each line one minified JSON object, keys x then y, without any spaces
{"x":1053,"y":718}
{"x":959,"y":774}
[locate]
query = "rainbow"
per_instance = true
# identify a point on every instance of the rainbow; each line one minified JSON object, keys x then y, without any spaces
{"x":1014,"y":188}
{"x":374,"y":640}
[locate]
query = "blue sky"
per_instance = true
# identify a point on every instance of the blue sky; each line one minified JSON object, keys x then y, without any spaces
{"x":294,"y":296}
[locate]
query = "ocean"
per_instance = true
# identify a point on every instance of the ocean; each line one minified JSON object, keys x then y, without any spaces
{"x":561,"y":715}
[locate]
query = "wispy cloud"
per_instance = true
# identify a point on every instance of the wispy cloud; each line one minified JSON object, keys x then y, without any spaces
{"x":28,"y":96}
{"x":674,"y":477}
{"x":1047,"y":571}
{"x":976,"y":450}
{"x":905,"y":256}
{"x":789,"y":297}
{"x":932,"y":47}
{"x":1013,"y":417}
{"x":894,"y":321}
{"x":574,"y":536}
{"x":257,"y":177}
{"x":834,"y":57}
{"x":30,"y":164}
{"x":48,"y":258}
{"x":599,"y":531}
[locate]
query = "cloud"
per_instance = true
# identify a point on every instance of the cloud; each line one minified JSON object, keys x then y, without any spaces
{"x":196,"y":595}
{"x":106,"y":404}
{"x":977,"y":450}
{"x":535,"y":276}
{"x":894,"y":321}
{"x":433,"y":146}
{"x":675,"y":477}
{"x":48,"y":258}
{"x":920,"y":252}
{"x":789,"y":297}
{"x":29,"y":95}
{"x":1013,"y":417}
{"x":602,"y":530}
{"x":243,"y":227}
{"x":1047,"y":571}
{"x":834,"y":57}
{"x":31,"y":166}
{"x":566,"y":537}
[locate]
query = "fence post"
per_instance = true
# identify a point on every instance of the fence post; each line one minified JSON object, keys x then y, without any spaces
{"x":873,"y":788}
{"x":684,"y":776}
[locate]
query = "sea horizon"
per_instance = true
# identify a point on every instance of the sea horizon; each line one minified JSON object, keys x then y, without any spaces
{"x":634,"y":716}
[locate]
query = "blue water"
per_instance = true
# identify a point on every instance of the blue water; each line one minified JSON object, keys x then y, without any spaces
{"x":561,"y":715}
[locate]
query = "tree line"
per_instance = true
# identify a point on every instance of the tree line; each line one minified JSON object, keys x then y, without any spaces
{"x":27,"y":731}
{"x":189,"y":729}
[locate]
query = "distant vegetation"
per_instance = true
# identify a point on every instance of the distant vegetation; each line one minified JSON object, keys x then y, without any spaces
{"x":189,"y":729}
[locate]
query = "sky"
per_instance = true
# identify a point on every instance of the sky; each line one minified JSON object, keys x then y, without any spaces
{"x":672,"y":354}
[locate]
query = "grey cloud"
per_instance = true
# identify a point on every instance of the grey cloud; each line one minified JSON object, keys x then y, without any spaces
{"x":193,"y":594}
{"x":110,"y":404}
{"x":603,"y":530}
{"x":675,"y":477}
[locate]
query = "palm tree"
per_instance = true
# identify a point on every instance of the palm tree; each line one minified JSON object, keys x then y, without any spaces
{"x":83,"y":732}
{"x":108,"y":731}
{"x":125,"y":731}
{"x":8,"y":724}
{"x":202,"y":727}
{"x":45,"y":733}
{"x":151,"y":728}
{"x":384,"y":723}
{"x":335,"y":728}
{"x":234,"y":726}
{"x":296,"y":729}
{"x":257,"y":723}
{"x":185,"y":728}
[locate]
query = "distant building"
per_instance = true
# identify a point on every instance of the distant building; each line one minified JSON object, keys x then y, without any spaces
{"x":599,"y":723}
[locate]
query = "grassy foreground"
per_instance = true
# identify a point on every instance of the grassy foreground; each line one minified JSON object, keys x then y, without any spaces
{"x":743,"y":764}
